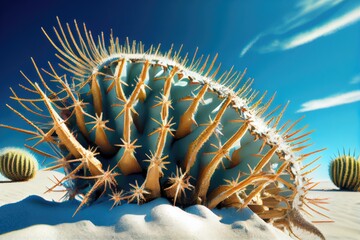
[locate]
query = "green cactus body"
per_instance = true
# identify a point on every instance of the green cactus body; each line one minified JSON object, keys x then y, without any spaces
{"x":17,"y":164}
{"x":138,"y":125}
{"x":344,"y":172}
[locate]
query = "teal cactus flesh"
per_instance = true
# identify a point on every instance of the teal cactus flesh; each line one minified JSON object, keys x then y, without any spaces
{"x":138,"y":125}
{"x":345,"y":172}
{"x":17,"y":164}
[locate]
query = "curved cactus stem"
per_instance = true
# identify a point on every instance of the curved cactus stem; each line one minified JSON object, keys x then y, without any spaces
{"x":128,"y":162}
{"x":206,"y":173}
{"x":117,"y":81}
{"x":96,"y":93}
{"x":213,"y":202}
{"x":67,"y":138}
{"x":154,"y":172}
{"x":187,"y":119}
{"x":265,"y":159}
{"x":196,"y":145}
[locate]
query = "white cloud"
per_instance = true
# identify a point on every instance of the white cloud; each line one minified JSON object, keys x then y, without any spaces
{"x":249,"y":45}
{"x":330,"y":101}
{"x":323,"y":30}
{"x":355,"y":79}
{"x":307,"y":11}
{"x":307,"y":6}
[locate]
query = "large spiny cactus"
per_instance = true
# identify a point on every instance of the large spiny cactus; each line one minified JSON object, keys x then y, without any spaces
{"x":344,"y":172}
{"x":139,"y":125}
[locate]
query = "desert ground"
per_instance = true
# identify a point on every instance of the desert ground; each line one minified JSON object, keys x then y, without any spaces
{"x":344,"y":210}
{"x":29,"y":213}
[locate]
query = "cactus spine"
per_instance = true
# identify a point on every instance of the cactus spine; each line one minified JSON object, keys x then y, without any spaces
{"x":345,"y":172}
{"x":17,"y":164}
{"x":139,"y":124}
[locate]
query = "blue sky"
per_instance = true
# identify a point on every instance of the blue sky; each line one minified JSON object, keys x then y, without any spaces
{"x":307,"y":52}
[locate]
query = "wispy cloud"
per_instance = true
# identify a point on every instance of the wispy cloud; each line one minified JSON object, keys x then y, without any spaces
{"x":355,"y":79}
{"x":249,"y":45}
{"x":307,"y":11}
{"x":331,"y":101}
{"x":328,"y":28}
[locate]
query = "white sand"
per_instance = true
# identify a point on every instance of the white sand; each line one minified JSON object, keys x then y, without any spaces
{"x":37,"y":218}
{"x":42,"y":217}
{"x":11,"y":192}
{"x":344,"y":211}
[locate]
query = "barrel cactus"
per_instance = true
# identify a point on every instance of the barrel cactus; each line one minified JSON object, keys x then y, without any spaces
{"x":17,"y":164}
{"x":344,"y":172}
{"x":137,"y":124}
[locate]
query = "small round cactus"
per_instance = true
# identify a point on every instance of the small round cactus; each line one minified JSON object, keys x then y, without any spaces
{"x":17,"y":164}
{"x":345,"y":172}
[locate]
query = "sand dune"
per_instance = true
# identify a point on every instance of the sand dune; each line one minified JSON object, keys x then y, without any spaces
{"x":27,"y":213}
{"x":41,"y":216}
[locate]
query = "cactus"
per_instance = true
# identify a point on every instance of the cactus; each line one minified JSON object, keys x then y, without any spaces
{"x":137,"y":125}
{"x":344,"y":172}
{"x":17,"y":164}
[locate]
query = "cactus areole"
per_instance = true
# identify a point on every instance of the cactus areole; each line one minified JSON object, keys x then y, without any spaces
{"x":134,"y":124}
